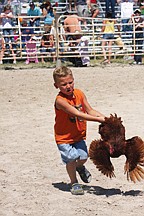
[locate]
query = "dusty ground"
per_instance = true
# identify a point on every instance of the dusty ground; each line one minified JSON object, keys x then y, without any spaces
{"x":32,"y":176}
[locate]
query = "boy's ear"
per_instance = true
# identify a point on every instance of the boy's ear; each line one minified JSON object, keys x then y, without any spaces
{"x":55,"y":85}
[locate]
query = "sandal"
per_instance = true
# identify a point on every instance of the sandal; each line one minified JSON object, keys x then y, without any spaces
{"x":84,"y":174}
{"x":77,"y":189}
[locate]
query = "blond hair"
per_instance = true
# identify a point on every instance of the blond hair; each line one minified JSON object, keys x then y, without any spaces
{"x":62,"y":71}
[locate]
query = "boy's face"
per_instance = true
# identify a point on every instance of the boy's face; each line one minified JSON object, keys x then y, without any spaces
{"x":65,"y":84}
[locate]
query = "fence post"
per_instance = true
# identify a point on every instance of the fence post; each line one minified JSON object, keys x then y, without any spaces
{"x":58,"y":61}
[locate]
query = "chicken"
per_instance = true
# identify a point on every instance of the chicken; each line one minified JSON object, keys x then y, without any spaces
{"x":112,"y":145}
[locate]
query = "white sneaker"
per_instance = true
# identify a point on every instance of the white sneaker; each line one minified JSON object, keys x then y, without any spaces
{"x":14,"y":62}
{"x":134,"y":63}
{"x":1,"y":62}
{"x":139,"y":63}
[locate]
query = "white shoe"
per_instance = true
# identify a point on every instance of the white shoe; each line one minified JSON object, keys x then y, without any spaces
{"x":14,"y":62}
{"x":134,"y":63}
{"x":139,"y":63}
{"x":1,"y":62}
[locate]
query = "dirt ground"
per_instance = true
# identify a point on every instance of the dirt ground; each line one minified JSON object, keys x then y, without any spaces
{"x":33,"y":180}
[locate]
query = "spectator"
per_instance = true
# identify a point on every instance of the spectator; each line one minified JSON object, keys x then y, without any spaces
{"x":2,"y":48}
{"x":7,"y":24}
{"x":93,"y":7}
{"x":81,"y":8}
{"x":36,"y":13}
{"x":138,"y":36}
{"x":71,"y":24}
{"x":111,"y":3}
{"x":48,"y":13}
{"x":70,"y":4}
{"x":126,"y":13}
{"x":47,"y":45}
{"x":17,"y":42}
{"x":26,"y":33}
{"x":16,"y":7}
{"x":62,"y":38}
{"x":108,"y":30}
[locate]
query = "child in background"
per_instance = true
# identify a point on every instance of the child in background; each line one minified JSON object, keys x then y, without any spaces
{"x":72,"y":111}
{"x":108,"y":30}
{"x":2,"y":48}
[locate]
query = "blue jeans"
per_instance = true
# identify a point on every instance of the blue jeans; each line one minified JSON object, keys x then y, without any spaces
{"x":72,"y":152}
{"x":125,"y":27}
{"x":36,"y":23}
{"x":108,"y":36}
{"x":44,"y":49}
{"x":139,"y":45}
{"x":112,"y":4}
{"x":8,"y":39}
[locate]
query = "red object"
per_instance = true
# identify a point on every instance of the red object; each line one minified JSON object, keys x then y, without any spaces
{"x":56,"y":4}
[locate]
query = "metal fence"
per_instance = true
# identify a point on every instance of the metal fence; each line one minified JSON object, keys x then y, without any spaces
{"x":123,"y":46}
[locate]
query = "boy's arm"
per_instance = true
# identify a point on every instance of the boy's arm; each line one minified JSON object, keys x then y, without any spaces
{"x":66,"y":107}
{"x":90,"y":110}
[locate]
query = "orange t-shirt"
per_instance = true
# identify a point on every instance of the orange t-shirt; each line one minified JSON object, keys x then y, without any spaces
{"x":70,"y":129}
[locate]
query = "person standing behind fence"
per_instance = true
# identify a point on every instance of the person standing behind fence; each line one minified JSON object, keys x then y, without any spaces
{"x":70,"y":4}
{"x":72,"y":24}
{"x":111,"y":3}
{"x":138,"y":36}
{"x":93,"y":7}
{"x":26,"y":33}
{"x":7,"y":24}
{"x":48,"y":13}
{"x":36,"y":13}
{"x":2,"y":48}
{"x":16,"y":7}
{"x":47,"y":45}
{"x":126,"y":13}
{"x":108,"y":30}
{"x":81,"y":9}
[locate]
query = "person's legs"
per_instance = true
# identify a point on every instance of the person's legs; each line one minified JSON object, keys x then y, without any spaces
{"x":124,"y":28}
{"x":6,"y":38}
{"x":107,"y":5}
{"x":113,"y":8}
{"x":74,"y":156}
{"x":94,"y":10}
{"x":71,"y":170}
{"x":1,"y":56}
{"x":109,"y":50}
{"x":95,"y":13}
{"x":70,"y":5}
{"x":139,"y":43}
{"x":103,"y":49}
{"x":43,"y":51}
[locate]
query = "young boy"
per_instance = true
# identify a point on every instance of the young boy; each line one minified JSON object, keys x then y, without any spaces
{"x":72,"y":111}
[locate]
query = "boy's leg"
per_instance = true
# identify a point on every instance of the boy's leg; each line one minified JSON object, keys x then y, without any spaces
{"x":71,"y":170}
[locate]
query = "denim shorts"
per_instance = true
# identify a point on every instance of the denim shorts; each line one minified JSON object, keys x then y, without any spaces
{"x":108,"y":36}
{"x":72,"y":152}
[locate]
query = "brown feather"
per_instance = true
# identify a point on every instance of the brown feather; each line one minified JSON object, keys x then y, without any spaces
{"x":113,"y":144}
{"x":99,"y":154}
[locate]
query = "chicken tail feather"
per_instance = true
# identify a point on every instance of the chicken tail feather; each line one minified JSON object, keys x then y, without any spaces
{"x":135,"y":159}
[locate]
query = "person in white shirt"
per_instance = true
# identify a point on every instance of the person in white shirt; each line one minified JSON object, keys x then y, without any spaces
{"x":7,"y":24}
{"x":126,"y":13}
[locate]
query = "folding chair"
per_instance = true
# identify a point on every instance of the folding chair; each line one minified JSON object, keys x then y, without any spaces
{"x":31,"y":51}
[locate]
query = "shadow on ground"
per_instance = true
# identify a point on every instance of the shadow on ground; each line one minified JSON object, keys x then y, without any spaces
{"x":99,"y":191}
